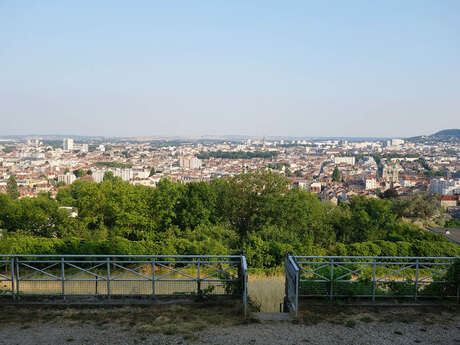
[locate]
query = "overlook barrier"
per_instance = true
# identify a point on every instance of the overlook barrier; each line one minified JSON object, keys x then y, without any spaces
{"x":370,"y":278}
{"x":113,"y":276}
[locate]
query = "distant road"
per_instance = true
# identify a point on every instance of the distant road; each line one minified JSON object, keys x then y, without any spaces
{"x":452,"y":234}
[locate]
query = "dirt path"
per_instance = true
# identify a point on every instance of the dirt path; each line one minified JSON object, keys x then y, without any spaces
{"x":221,"y":324}
{"x":276,"y":333}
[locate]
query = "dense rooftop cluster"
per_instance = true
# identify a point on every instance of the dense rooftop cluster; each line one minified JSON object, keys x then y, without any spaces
{"x":334,"y":169}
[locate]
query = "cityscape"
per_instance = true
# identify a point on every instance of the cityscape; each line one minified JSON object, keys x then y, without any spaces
{"x":334,"y":169}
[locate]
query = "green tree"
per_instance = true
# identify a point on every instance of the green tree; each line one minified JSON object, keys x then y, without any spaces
{"x":108,"y":175}
{"x":241,"y":197}
{"x":79,"y":173}
{"x":152,"y":171}
{"x":390,"y":193}
{"x":336,"y":175}
{"x":12,"y":186}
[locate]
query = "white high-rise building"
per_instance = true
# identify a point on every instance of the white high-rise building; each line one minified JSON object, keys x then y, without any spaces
{"x":345,"y":160}
{"x":67,"y":178}
{"x":397,"y":142}
{"x":98,"y":175}
{"x":445,"y":187}
{"x":125,"y":174}
{"x":84,"y":148}
{"x":67,"y":144}
{"x":189,"y":163}
{"x":370,"y":182}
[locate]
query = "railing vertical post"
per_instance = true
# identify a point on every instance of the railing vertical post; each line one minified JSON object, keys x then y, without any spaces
{"x":16,"y":261}
{"x":373,"y":279}
{"x":416,"y":279}
{"x":286,"y":281}
{"x":108,"y":277}
{"x":198,"y":281}
{"x":12,"y":279}
{"x":331,"y":291}
{"x":153,"y":277}
{"x":297,"y":283}
{"x":243,"y":278}
{"x":63,"y":277}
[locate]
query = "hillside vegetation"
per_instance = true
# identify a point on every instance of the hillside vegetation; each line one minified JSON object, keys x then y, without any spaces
{"x":255,"y":212}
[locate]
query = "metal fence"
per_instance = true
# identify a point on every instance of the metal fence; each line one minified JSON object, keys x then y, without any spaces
{"x":291,"y":300}
{"x":123,"y":275}
{"x":372,"y":278}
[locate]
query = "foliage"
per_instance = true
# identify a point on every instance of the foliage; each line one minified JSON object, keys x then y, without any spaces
{"x":336,"y":175}
{"x":452,"y":223}
{"x":390,"y":193}
{"x":237,"y":154}
{"x":421,"y":205}
{"x":9,"y":149}
{"x":12,"y":187}
{"x":112,"y":164}
{"x":255,"y":212}
{"x":80,"y":172}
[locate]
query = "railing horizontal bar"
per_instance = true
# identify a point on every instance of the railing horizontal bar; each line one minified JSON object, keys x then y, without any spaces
{"x":118,"y":279}
{"x":126,"y":262}
{"x":39,"y":280}
{"x":380,"y":257}
{"x":117,"y":256}
{"x":339,"y":263}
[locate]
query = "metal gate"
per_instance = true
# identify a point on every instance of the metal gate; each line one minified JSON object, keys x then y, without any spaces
{"x":370,"y":278}
{"x":291,"y":300}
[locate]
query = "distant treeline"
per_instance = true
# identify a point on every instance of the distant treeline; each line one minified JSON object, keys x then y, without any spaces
{"x":255,"y":212}
{"x":113,"y":165}
{"x":237,"y":154}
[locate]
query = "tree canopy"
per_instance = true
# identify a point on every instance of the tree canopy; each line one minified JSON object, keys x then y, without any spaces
{"x":12,"y":187}
{"x":256,"y":212}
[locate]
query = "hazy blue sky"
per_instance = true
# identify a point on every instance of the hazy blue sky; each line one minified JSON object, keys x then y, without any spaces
{"x":300,"y":68}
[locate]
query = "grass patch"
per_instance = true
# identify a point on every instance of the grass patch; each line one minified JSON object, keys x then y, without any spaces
{"x":366,"y":319}
{"x":350,"y":323}
{"x":266,"y":291}
{"x":164,"y":319}
{"x":341,"y":315}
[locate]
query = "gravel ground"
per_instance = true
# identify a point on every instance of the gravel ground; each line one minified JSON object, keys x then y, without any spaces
{"x":276,"y":333}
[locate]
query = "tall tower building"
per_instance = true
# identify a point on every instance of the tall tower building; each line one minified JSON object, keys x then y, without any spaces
{"x":67,"y":144}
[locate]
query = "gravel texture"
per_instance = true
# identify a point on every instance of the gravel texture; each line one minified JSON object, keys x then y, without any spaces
{"x":276,"y":333}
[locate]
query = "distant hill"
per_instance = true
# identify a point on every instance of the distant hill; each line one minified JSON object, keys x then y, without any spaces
{"x":444,"y":135}
{"x":448,"y":133}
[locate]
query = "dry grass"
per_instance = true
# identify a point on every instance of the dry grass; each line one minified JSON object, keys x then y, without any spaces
{"x":126,"y":283}
{"x":166,"y":319}
{"x":353,"y":315}
{"x":266,"y":292}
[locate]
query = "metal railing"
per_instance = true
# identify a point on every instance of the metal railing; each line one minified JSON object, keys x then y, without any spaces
{"x":291,"y":301}
{"x":372,"y":277}
{"x":123,"y":275}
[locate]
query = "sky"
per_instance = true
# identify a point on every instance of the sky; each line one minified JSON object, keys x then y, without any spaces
{"x":259,"y":68}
